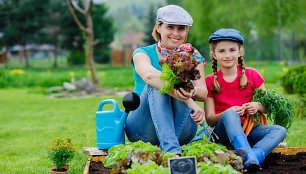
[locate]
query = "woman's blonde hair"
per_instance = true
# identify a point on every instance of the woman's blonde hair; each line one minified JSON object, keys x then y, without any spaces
{"x":156,"y":36}
{"x":214,"y":65}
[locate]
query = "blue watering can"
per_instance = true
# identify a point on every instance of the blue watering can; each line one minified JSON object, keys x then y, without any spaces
{"x":110,"y":124}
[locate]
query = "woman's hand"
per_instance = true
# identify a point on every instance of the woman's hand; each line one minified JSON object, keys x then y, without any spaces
{"x":183,"y":94}
{"x":198,"y":114}
{"x":239,"y":109}
{"x":252,"y":107}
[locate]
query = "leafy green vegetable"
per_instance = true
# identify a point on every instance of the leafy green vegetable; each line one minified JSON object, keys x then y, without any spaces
{"x":211,"y":152}
{"x":202,"y":146}
{"x":120,"y":152}
{"x":149,"y":168}
{"x":178,"y":70}
{"x":279,"y":109}
{"x":169,"y":77}
{"x":215,"y":168}
{"x":139,"y":157}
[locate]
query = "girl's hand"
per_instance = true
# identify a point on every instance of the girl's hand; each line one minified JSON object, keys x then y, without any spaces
{"x":182,"y":94}
{"x":239,"y":109}
{"x":252,"y":107}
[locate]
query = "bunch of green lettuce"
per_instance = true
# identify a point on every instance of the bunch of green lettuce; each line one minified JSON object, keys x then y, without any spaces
{"x":149,"y":167}
{"x":120,"y":152}
{"x":178,"y":70}
{"x":215,"y":168}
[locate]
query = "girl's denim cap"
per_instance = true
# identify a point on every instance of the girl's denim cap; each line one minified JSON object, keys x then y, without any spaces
{"x":173,"y":14}
{"x":226,"y":34}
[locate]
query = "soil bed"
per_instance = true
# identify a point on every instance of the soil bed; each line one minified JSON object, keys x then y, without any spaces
{"x":275,"y":163}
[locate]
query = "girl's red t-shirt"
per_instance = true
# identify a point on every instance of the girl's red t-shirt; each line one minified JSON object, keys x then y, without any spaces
{"x":231,"y":94}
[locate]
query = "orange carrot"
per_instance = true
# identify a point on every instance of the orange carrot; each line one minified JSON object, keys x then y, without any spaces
{"x":245,"y":123}
{"x":250,"y":126}
{"x":263,"y":119}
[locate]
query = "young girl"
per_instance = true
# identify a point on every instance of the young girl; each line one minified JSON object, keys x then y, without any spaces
{"x":230,"y":90}
{"x":165,"y":119}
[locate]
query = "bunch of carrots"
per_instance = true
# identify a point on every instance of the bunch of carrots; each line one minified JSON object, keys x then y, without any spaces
{"x":249,"y":122}
{"x":279,"y":110}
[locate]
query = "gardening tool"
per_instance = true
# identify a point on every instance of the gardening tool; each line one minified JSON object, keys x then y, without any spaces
{"x":110,"y":124}
{"x":205,"y":131}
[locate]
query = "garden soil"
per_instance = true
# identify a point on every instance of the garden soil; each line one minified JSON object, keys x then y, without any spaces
{"x":275,"y":163}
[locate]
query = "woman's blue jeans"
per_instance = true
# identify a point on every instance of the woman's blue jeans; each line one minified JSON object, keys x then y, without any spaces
{"x":161,"y":120}
{"x":264,"y":137}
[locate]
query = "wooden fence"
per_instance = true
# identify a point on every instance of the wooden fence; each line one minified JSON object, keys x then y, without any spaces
{"x":121,"y":57}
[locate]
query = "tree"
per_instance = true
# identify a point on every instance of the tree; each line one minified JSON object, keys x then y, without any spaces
{"x":20,"y":23}
{"x":269,"y":26}
{"x":88,"y":31}
{"x":104,"y":34}
{"x":150,"y":22}
{"x":53,"y":26}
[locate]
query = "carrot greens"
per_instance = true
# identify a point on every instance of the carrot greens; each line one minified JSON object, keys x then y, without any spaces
{"x":279,"y":109}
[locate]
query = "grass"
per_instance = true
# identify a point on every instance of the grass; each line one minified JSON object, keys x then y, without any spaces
{"x":115,"y":78}
{"x":29,"y":122}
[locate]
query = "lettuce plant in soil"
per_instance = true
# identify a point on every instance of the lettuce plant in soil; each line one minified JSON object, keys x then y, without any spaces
{"x":140,"y":157}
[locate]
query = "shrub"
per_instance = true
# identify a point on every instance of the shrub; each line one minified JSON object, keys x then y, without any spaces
{"x":76,"y":58}
{"x":294,"y":81}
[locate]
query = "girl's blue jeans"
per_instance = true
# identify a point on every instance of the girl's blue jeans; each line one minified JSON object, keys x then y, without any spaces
{"x":161,"y":120}
{"x":264,"y":137}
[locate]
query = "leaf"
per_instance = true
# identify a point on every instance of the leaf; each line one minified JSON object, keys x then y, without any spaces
{"x":279,"y":109}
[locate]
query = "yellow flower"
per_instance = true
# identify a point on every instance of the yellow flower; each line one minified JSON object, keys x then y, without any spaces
{"x":88,"y":72}
{"x":102,"y":73}
{"x":71,"y":74}
{"x":282,"y":62}
{"x":14,"y":72}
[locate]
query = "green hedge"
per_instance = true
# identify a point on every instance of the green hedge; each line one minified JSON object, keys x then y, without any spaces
{"x":294,"y":81}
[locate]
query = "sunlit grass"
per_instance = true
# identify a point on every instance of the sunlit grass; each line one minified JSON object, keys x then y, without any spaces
{"x":30,"y":121}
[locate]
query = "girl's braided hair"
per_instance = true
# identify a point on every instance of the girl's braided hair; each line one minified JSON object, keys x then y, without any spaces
{"x":243,"y":78}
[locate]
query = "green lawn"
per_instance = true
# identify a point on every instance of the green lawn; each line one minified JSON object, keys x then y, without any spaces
{"x":28,"y":122}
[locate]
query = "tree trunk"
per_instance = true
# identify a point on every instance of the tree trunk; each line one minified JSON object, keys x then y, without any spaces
{"x":90,"y":49}
{"x":88,"y":30}
{"x":55,"y":54}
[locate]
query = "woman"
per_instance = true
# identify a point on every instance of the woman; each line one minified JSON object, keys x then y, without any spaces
{"x":230,"y":90}
{"x":168,"y":120}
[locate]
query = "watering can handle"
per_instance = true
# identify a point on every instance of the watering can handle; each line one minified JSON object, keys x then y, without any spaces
{"x":108,"y":101}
